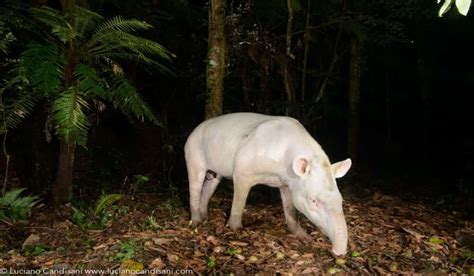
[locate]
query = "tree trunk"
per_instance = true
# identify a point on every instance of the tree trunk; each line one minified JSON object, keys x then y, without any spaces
{"x":285,"y":70}
{"x":354,"y":95}
{"x":216,"y":59}
{"x":62,"y":186}
{"x":307,"y":34}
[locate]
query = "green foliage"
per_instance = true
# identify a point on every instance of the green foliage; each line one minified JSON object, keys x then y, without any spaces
{"x":211,"y":262}
{"x":127,"y":250}
{"x":77,"y":64}
{"x":35,"y":250}
{"x":106,"y":201}
{"x":68,"y":111}
{"x":15,"y":207}
{"x":126,"y":98}
{"x":151,"y":223}
{"x":44,"y":68}
{"x":462,"y":6}
{"x":6,"y":38}
{"x":98,"y":216}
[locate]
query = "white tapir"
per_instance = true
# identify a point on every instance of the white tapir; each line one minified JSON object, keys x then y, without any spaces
{"x":255,"y":149}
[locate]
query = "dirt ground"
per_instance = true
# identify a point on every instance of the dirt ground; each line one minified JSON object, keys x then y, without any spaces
{"x":386,"y":235}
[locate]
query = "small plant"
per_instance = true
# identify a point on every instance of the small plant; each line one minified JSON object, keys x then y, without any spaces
{"x":150,"y":222}
{"x":127,"y":250}
{"x":15,"y":207}
{"x":98,"y":216}
{"x":35,"y":250}
{"x":136,"y":182}
{"x":211,"y":262}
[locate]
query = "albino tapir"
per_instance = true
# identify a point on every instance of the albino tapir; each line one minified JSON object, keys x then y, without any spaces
{"x":256,"y":149}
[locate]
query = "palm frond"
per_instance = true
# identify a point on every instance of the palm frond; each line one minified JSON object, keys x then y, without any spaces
{"x":68,"y":113}
{"x":44,"y":67}
{"x":89,"y":83}
{"x":125,"y":97}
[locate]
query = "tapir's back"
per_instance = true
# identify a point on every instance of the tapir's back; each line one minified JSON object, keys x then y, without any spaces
{"x":218,"y":140}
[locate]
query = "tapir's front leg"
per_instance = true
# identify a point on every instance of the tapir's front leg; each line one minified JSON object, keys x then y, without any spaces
{"x":241,"y":190}
{"x":290,"y":213}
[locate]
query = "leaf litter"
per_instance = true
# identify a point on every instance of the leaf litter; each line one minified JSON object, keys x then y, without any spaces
{"x":386,"y":235}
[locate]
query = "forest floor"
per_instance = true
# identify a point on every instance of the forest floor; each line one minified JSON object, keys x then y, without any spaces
{"x":386,"y":235}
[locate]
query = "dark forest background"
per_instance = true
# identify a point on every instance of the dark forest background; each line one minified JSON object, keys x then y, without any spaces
{"x":415,"y":135}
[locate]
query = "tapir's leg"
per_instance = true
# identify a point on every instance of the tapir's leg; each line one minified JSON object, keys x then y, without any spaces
{"x":210,"y":185}
{"x":241,"y":190}
{"x":196,"y":175}
{"x":290,"y":213}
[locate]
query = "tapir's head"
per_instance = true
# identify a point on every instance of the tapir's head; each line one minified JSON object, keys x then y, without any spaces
{"x":316,"y":195}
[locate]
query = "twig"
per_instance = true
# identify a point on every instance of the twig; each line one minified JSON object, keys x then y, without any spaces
{"x":7,"y":156}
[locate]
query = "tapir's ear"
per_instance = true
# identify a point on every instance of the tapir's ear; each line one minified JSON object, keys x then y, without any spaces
{"x":301,"y":166}
{"x":340,"y":169}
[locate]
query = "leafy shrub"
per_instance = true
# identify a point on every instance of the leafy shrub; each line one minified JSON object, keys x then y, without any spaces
{"x":15,"y":207}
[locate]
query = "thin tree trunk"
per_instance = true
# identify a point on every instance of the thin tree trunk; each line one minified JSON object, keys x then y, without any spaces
{"x":216,"y":59}
{"x":307,"y":34}
{"x":62,"y":186}
{"x":285,"y":71}
{"x":354,"y":96}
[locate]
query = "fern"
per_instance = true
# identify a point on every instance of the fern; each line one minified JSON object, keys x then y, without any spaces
{"x":44,"y":66}
{"x":117,"y":23}
{"x":83,"y":21}
{"x":125,"y":97}
{"x":89,"y":83}
{"x":68,"y":112}
{"x":126,"y":46}
{"x":106,"y":201}
{"x":59,"y":25}
{"x":15,"y":207}
{"x":16,"y":110}
{"x":17,"y":99}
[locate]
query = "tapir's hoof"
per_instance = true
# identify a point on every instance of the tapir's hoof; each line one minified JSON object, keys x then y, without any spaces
{"x":195,"y":220}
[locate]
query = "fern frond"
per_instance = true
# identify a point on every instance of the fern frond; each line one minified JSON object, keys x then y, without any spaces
{"x":17,"y":99}
{"x":44,"y":66}
{"x":117,"y":23}
{"x":89,"y":83}
{"x":16,"y":207}
{"x":106,"y":201}
{"x":56,"y":21}
{"x":10,"y":196}
{"x":83,"y":21}
{"x":15,"y":14}
{"x":68,"y":112}
{"x":16,"y":110}
{"x":130,"y":47}
{"x":125,"y":97}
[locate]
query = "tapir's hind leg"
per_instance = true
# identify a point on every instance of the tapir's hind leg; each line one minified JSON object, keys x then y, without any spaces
{"x":210,"y":185}
{"x":196,"y":175}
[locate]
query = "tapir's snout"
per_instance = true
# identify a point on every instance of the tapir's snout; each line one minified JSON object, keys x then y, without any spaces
{"x":338,"y":233}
